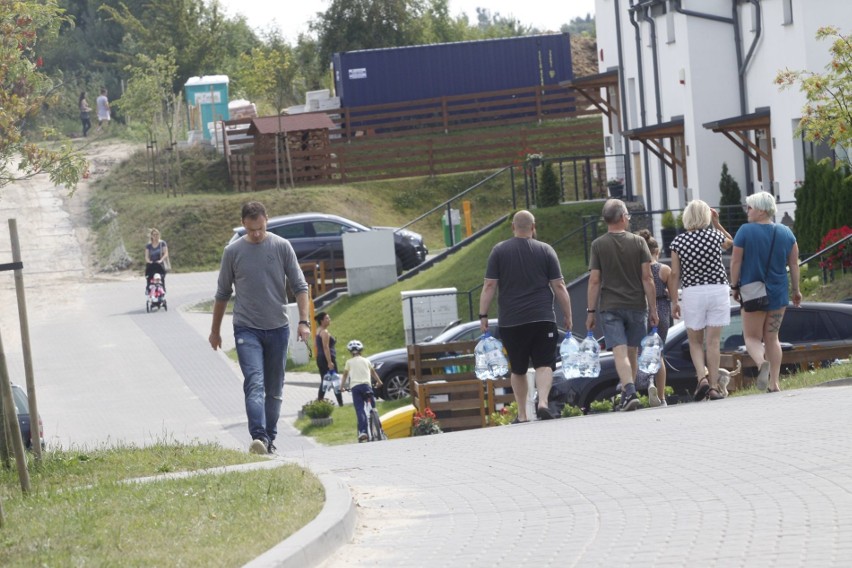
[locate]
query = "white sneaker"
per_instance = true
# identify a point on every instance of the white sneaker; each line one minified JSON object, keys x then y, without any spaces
{"x":763,"y":377}
{"x":663,"y":403}
{"x":258,"y":447}
{"x":653,"y":398}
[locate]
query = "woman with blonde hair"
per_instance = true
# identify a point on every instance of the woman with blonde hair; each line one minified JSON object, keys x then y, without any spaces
{"x":697,"y":261}
{"x":763,"y":251}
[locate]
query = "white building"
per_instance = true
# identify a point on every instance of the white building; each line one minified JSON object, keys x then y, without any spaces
{"x":697,"y":81}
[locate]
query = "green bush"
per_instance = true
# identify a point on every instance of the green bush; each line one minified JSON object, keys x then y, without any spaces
{"x":668,"y":220}
{"x":569,"y":411}
{"x":731,"y":214}
{"x":823,"y":203}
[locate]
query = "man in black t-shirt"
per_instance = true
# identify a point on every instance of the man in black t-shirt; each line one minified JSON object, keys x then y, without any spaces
{"x":526,"y":275}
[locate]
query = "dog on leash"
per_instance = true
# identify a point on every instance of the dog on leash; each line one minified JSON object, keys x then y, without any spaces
{"x":725,"y":377}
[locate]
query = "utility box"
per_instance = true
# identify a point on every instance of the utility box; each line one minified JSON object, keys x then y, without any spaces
{"x":207,"y":102}
{"x":370,"y":261}
{"x":427,"y":312}
{"x":452,"y":228}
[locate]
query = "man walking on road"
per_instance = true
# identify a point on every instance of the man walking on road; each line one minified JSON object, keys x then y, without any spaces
{"x":259,"y":265}
{"x":526,"y":274}
{"x":621,"y":279}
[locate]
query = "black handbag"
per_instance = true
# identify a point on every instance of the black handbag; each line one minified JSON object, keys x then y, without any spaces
{"x":753,"y":294}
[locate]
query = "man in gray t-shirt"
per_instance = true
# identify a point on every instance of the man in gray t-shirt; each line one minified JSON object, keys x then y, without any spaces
{"x":525,"y":274}
{"x":260,"y":265}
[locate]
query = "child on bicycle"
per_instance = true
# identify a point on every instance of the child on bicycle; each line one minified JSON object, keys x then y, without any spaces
{"x":357,"y":372}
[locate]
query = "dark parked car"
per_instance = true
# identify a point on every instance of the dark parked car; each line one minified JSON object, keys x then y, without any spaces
{"x":317,"y":236}
{"x":825,"y":324}
{"x":392,"y":366}
{"x":23,"y":409}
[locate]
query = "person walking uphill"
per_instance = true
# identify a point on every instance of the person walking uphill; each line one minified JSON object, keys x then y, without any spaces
{"x":620,"y":274}
{"x":526,"y":276}
{"x":260,"y":266}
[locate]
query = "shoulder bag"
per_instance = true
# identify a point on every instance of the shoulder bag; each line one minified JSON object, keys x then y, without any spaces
{"x":753,"y":294}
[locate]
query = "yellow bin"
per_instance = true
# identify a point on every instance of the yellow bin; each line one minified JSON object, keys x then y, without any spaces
{"x":397,"y":423}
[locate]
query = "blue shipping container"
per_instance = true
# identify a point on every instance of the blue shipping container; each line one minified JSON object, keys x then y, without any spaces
{"x":396,"y":74}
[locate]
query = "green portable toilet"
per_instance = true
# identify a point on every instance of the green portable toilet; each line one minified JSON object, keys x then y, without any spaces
{"x":207,"y":101}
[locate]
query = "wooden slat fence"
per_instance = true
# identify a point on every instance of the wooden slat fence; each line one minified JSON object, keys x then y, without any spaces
{"x":425,"y":138}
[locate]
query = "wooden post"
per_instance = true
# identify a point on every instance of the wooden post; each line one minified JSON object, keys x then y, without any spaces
{"x":12,"y":427}
{"x":25,"y":340}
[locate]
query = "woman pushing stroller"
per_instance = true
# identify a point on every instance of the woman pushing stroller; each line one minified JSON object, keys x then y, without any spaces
{"x":156,"y":259}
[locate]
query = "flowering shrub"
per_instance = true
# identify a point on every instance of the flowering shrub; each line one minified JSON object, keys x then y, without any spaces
{"x":505,"y":415}
{"x":612,"y":182}
{"x":425,"y":423}
{"x":840,"y":257}
{"x":535,"y":157}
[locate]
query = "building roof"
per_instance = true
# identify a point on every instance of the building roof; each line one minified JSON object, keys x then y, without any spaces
{"x":290,"y":123}
{"x":757,"y":120}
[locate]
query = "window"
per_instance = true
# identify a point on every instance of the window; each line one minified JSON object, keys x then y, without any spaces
{"x":803,"y":326}
{"x":842,"y":324}
{"x":291,"y":231}
{"x":329,"y":228}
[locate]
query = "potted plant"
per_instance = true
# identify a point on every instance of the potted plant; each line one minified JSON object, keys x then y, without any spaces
{"x":669,"y":231}
{"x":535,"y":159}
{"x":425,"y":423}
{"x":615,"y":187}
{"x":504,"y":416}
{"x":319,"y":411}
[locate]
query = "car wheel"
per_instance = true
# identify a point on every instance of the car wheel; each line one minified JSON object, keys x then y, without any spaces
{"x":395,"y":384}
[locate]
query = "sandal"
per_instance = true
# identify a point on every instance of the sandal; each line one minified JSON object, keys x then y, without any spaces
{"x":701,"y":390}
{"x":714,"y":394}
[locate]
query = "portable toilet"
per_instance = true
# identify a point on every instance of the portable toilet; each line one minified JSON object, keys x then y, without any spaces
{"x":207,"y":102}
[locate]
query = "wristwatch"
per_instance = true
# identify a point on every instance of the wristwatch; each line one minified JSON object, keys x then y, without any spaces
{"x":590,"y":311}
{"x":303,"y":322}
{"x":483,"y":316}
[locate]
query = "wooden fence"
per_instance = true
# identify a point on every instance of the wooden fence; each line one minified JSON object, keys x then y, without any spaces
{"x":424,"y":138}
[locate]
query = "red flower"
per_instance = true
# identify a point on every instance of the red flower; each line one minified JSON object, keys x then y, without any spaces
{"x":839,"y":257}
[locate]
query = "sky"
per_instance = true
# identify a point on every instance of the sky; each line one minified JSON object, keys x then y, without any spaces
{"x":292,"y":16}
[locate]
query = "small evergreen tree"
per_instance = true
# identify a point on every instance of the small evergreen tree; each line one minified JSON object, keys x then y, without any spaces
{"x":731,"y":214}
{"x":549,"y":193}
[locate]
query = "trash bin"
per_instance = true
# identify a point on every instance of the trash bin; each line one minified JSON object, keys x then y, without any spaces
{"x":455,"y":220}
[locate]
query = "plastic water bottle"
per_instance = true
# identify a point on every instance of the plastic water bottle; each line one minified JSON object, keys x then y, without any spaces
{"x":569,"y":350}
{"x":649,"y":356}
{"x":589,"y":361}
{"x":490,"y":361}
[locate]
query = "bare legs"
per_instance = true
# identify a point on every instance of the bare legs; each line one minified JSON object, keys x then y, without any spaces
{"x":708,"y":356}
{"x":543,"y":382}
{"x":626,"y":363}
{"x":760,"y":331}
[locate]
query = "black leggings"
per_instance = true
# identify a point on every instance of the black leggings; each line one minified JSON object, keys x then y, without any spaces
{"x":322,"y":364}
{"x":151,"y":269}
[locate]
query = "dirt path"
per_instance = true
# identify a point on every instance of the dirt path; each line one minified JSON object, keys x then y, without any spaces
{"x":53,"y":230}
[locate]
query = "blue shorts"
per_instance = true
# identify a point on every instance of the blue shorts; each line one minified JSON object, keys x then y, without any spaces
{"x":624,"y":327}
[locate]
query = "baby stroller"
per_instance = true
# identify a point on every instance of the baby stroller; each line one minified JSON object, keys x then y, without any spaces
{"x":156,"y":298}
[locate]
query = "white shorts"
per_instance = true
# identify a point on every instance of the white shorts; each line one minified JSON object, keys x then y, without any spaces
{"x":708,"y":305}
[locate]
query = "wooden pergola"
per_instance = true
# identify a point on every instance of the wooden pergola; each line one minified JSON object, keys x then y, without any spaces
{"x":590,"y":88}
{"x":654,"y":139}
{"x":737,"y":130}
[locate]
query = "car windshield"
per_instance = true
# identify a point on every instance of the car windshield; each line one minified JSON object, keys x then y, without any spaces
{"x":21,"y":402}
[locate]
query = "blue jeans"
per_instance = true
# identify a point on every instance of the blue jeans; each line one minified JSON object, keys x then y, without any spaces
{"x":359,"y":394}
{"x":262,"y":354}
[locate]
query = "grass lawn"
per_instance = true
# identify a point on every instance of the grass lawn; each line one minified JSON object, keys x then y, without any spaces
{"x":344,"y":428}
{"x":80,"y":512}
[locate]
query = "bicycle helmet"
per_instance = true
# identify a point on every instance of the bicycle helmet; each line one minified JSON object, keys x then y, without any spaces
{"x":355,"y":345}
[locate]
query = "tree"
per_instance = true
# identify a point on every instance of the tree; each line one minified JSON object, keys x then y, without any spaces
{"x":149,"y":97}
{"x":827,"y":116}
{"x":732,"y":215}
{"x":549,"y":190}
{"x":24,"y":90}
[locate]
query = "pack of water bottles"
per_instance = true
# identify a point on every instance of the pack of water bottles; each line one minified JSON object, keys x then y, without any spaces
{"x":490,"y":360}
{"x":650,"y":351}
{"x":580,"y":358}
